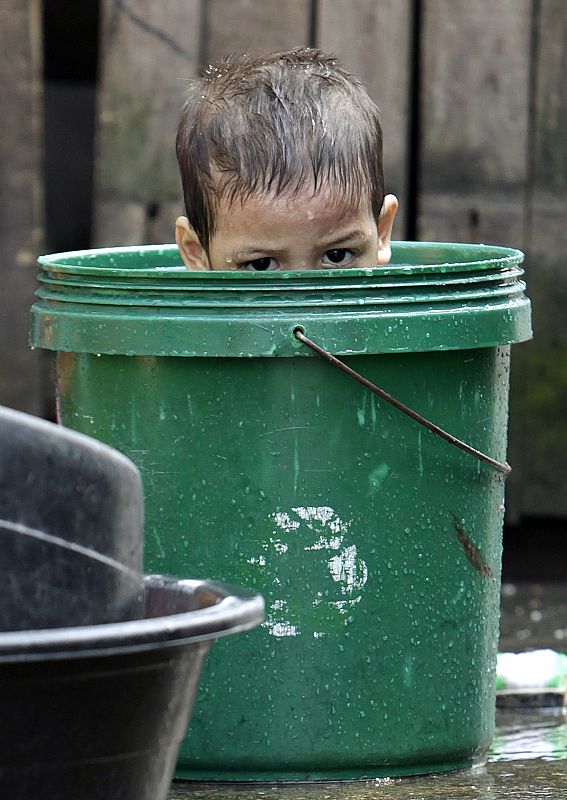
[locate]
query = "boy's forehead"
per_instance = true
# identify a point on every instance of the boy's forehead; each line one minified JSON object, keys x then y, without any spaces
{"x":292,"y":225}
{"x":326,"y":203}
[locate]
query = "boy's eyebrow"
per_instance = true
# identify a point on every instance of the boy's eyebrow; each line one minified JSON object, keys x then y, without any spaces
{"x":347,"y":238}
{"x":242,"y":252}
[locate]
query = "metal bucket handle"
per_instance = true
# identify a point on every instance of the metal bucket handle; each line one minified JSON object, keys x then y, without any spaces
{"x":501,"y":466}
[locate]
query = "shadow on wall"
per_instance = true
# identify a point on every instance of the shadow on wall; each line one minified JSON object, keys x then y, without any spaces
{"x":70,"y":47}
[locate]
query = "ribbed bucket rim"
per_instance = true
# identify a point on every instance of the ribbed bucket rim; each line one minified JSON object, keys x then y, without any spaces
{"x":474,"y":300}
{"x":490,"y":257}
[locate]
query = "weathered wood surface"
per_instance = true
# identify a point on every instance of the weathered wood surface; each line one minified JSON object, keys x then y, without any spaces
{"x":474,"y":120}
{"x":20,"y":200}
{"x":474,"y":155}
{"x":235,"y":26}
{"x":373,"y":41}
{"x":539,"y":385}
{"x":148,"y":51}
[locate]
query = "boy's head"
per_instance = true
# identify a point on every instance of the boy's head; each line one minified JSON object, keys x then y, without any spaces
{"x":281,"y":166}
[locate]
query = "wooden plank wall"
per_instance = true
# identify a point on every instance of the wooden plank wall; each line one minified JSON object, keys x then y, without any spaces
{"x":474,"y":157}
{"x":149,"y":49}
{"x":373,"y":41}
{"x":539,"y":374}
{"x":474,"y":120}
{"x":493,"y":168}
{"x":20,"y":200}
{"x":474,"y":108}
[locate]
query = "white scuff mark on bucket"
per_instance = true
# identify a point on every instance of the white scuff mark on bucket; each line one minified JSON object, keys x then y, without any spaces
{"x":323,"y":543}
{"x":284,"y":521}
{"x":277,"y":627}
{"x":295,"y":463}
{"x":320,"y":513}
{"x":344,"y":606}
{"x":280,"y":629}
{"x":361,"y":412}
{"x":346,"y":569}
{"x":160,"y":547}
{"x":261,"y":561}
{"x":309,"y":543}
{"x":133,"y":424}
{"x":377,"y":477}
{"x":409,"y":671}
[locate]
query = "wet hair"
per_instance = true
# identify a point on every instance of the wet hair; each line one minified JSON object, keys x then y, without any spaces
{"x":274,"y":125}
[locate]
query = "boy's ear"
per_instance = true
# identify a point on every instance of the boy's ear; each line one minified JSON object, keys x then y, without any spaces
{"x":191,"y":249}
{"x":385,"y":224}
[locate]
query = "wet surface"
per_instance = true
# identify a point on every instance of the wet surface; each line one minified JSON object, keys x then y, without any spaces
{"x":533,"y":616}
{"x":528,"y":758}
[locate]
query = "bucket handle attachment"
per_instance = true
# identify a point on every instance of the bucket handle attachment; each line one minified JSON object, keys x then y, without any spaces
{"x":501,"y":466}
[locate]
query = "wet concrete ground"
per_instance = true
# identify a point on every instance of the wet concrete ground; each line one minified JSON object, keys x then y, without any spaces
{"x":533,"y":616}
{"x":528,"y":758}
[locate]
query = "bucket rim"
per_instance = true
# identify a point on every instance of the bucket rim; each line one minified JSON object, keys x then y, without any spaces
{"x":231,"y":610}
{"x":146,"y":304}
{"x":489,"y":257}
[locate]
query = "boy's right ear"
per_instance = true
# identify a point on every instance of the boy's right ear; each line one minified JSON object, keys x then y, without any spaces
{"x":192,"y":251}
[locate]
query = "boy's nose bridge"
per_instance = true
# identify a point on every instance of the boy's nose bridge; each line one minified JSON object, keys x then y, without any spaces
{"x":302,"y":261}
{"x":297,"y":256}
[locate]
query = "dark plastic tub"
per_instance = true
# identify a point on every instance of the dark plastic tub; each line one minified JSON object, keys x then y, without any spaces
{"x":71,"y":514}
{"x":98,"y":712}
{"x":46,"y":582}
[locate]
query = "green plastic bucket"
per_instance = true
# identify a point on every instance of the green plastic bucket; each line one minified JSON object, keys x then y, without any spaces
{"x":376,"y":544}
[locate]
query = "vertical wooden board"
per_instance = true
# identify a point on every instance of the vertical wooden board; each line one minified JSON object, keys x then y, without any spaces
{"x":20,"y":200}
{"x":372,"y":40}
{"x":235,"y":26}
{"x":539,"y":386}
{"x":475,"y":124}
{"x":548,"y":209}
{"x":148,"y":51}
{"x":474,"y":120}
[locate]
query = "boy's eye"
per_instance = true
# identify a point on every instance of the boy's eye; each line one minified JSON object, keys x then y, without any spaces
{"x":338,"y":256}
{"x":260,"y":264}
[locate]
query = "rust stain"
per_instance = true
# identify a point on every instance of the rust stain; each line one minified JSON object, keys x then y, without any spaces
{"x":472,"y":552}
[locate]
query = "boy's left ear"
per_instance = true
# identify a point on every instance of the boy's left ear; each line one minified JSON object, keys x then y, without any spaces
{"x":385,"y":224}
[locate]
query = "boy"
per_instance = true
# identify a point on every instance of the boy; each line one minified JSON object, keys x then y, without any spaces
{"x":281,"y":166}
